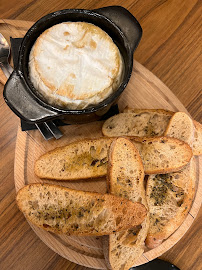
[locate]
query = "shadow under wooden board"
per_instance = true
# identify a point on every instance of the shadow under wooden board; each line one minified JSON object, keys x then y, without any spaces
{"x":143,"y":91}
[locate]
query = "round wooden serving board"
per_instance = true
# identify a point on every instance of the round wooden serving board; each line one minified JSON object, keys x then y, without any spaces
{"x":143,"y":91}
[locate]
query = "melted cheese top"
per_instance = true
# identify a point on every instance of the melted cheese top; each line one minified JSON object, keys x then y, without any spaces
{"x":75,"y":64}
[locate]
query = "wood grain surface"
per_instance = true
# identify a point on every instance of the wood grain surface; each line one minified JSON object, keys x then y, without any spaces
{"x":171,"y":49}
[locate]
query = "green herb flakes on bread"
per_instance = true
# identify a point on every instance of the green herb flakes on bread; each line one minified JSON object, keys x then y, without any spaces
{"x":73,"y":212}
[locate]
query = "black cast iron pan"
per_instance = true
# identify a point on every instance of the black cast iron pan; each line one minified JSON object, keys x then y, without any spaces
{"x":26,"y":102}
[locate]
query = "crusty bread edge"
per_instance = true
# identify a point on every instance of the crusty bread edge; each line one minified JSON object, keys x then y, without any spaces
{"x":161,"y":111}
{"x":71,"y":179}
{"x":110,"y":165}
{"x":198,"y":129}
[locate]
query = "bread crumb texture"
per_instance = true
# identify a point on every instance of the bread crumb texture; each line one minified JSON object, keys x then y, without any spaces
{"x":169,"y":197}
{"x":62,"y":210}
{"x":126,"y":179}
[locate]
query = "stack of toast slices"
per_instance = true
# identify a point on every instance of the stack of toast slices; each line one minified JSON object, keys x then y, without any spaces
{"x":148,"y":158}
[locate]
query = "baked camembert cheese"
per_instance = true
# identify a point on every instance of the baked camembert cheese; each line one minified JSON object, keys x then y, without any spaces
{"x":75,"y":64}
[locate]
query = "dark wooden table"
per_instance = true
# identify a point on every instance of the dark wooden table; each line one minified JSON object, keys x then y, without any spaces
{"x":171,"y":49}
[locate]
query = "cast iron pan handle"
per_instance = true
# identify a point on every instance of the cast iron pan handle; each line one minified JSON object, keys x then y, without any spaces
{"x":22,"y":102}
{"x":128,"y":24}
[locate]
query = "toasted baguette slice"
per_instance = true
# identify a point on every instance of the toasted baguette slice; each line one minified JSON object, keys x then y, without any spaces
{"x":126,"y":179}
{"x":79,"y":160}
{"x":89,"y":158}
{"x":141,"y":123}
{"x":163,"y":154}
{"x":146,"y":123}
{"x":197,"y":144}
{"x":169,"y":198}
{"x":181,"y":127}
{"x":63,"y":210}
